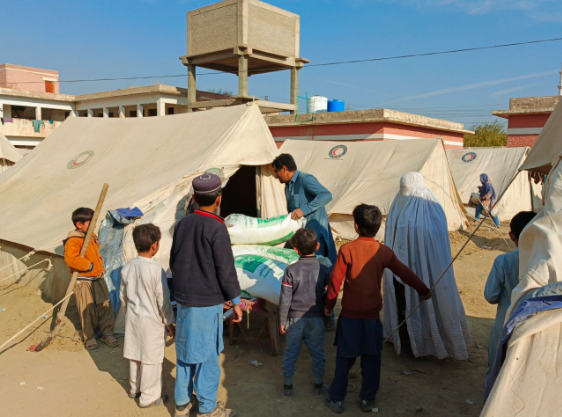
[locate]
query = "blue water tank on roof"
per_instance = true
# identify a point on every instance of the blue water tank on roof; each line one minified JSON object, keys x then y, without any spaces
{"x":335,"y":106}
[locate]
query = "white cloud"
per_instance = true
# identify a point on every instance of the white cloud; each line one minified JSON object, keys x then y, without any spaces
{"x":356,"y":87}
{"x":511,"y":90}
{"x":543,"y":10}
{"x":474,"y":86}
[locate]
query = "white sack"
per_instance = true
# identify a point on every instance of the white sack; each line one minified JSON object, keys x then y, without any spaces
{"x":246,"y":230}
{"x":260,"y":277}
{"x":287,"y":256}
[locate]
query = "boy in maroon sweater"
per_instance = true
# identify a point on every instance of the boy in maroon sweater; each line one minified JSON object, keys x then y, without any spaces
{"x":359,"y":332}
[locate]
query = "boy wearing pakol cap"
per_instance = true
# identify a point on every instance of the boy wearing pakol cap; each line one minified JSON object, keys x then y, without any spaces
{"x":148,"y":313}
{"x":204,"y":278}
{"x":359,"y":332}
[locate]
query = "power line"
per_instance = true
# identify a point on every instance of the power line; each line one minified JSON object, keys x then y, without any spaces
{"x":357,"y":61}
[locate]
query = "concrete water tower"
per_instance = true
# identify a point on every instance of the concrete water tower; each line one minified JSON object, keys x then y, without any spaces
{"x":243,"y":37}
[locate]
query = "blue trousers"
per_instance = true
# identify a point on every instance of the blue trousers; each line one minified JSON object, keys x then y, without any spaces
{"x":370,"y":373}
{"x":479,"y":209}
{"x":204,"y":377}
{"x":311,"y":331}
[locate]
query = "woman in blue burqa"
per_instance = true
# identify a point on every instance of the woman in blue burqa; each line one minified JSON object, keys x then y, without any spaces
{"x":487,"y":199}
{"x":417,"y":232}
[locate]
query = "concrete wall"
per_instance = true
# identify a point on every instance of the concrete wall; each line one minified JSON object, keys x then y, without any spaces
{"x":364,"y":131}
{"x":27,"y":78}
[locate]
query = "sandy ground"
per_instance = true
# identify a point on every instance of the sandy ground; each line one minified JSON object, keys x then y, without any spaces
{"x":66,"y":380}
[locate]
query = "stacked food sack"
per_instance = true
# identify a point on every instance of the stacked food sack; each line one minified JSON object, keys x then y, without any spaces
{"x":259,"y":264}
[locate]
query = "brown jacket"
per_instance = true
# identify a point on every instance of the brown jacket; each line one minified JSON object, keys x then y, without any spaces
{"x":89,"y":266}
{"x":361,"y":264}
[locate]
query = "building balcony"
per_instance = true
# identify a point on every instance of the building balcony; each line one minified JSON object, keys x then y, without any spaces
{"x":25,"y":128}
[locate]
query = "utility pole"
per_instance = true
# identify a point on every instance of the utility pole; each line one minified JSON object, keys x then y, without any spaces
{"x":560,"y":85}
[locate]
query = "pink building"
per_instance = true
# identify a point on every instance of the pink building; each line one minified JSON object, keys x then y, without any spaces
{"x":368,"y":125}
{"x":29,"y":79}
{"x":525,"y":118}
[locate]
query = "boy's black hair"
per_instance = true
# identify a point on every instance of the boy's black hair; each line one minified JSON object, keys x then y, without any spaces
{"x":368,"y":219}
{"x":519,"y":221}
{"x":145,"y":236}
{"x":284,"y":159}
{"x":82,"y":215}
{"x":305,"y":240}
{"x":207,"y":199}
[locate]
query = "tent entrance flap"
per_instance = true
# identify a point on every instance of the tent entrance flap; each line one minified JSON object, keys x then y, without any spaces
{"x":239,"y":195}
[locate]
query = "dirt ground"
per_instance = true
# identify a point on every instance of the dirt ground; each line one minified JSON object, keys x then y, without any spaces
{"x":66,"y":380}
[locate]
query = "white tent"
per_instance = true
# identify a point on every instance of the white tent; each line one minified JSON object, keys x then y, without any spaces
{"x":548,"y":147}
{"x":540,"y":244}
{"x":367,"y":172}
{"x":147,"y":162}
{"x":501,"y":165}
{"x":529,"y":380}
{"x":9,"y":155}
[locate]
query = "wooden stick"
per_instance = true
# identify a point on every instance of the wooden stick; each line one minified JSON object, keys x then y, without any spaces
{"x":34,"y":321}
{"x":74,"y":278}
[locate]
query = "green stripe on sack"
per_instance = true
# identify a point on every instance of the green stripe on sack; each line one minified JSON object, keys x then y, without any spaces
{"x":278,"y":241}
{"x":272,"y":221}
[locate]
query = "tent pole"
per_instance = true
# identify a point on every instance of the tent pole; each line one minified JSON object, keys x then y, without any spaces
{"x":258,"y":191}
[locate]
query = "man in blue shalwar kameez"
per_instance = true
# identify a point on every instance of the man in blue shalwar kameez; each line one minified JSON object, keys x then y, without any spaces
{"x":306,"y":197}
{"x":204,"y":277}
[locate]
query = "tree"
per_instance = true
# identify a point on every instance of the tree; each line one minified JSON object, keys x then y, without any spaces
{"x":486,"y":134}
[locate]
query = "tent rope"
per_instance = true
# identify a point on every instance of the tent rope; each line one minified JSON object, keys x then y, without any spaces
{"x":487,"y":213}
{"x":29,"y":267}
{"x":23,"y":259}
{"x":30,"y":324}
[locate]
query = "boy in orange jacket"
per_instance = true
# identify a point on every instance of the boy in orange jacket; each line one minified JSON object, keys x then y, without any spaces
{"x":91,"y":292}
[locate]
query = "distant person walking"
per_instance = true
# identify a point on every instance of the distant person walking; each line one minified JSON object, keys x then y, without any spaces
{"x":487,"y":199}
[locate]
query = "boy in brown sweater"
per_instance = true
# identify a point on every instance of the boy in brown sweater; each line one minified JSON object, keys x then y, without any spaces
{"x":359,"y":332}
{"x":91,"y":292}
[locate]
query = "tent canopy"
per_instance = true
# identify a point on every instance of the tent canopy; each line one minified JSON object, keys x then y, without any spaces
{"x":548,"y":147}
{"x":8,"y":152}
{"x":501,"y":165}
{"x":368,"y":172}
{"x":147,"y":162}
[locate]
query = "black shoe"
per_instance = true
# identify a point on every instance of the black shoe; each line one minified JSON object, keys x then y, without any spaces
{"x":287,"y":391}
{"x":336,"y":407}
{"x":320,"y":390}
{"x":367,"y":406}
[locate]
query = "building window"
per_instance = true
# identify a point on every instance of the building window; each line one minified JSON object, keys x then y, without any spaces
{"x":171,"y":110}
{"x":49,"y":87}
{"x":152,"y":112}
{"x":132,"y":113}
{"x":111,"y":114}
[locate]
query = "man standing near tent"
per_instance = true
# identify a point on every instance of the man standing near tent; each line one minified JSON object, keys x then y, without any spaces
{"x":202,"y":265}
{"x":306,"y":197}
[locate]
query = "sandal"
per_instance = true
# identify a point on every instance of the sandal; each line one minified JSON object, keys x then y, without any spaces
{"x":110,"y":341}
{"x":91,"y":344}
{"x":158,"y":402}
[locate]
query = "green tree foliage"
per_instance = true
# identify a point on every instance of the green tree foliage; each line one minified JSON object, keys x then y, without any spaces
{"x":486,"y":134}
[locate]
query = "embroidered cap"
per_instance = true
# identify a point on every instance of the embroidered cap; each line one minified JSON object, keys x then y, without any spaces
{"x":206,"y":184}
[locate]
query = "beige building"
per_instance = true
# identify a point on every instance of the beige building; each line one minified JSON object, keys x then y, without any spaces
{"x":29,"y":116}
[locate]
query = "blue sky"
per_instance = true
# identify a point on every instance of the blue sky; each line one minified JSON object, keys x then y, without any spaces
{"x":107,"y":39}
